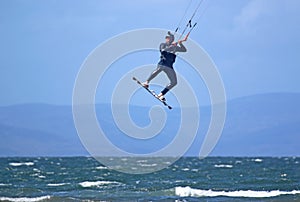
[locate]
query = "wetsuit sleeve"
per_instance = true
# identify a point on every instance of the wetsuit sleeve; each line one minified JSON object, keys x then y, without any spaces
{"x":175,"y":48}
{"x":162,"y":47}
{"x":180,"y":48}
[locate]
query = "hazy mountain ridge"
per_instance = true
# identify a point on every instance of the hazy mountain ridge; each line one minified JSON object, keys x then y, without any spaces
{"x":267,"y":124}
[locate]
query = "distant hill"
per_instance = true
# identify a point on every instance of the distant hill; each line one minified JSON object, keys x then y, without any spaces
{"x":38,"y":130}
{"x":259,"y":125}
{"x":262,"y":125}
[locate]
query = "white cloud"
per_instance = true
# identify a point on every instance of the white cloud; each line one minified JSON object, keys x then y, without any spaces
{"x":256,"y":12}
{"x":250,"y":13}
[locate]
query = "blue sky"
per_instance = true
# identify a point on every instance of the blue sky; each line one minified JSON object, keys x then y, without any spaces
{"x":254,"y":43}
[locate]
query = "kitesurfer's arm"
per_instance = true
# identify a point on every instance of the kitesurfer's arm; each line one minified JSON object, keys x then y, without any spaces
{"x":162,"y":47}
{"x":181,"y":47}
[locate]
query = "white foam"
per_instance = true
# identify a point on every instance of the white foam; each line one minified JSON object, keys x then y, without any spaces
{"x":258,"y":160}
{"x":142,"y":161}
{"x":188,"y":191}
{"x":223,"y":166}
{"x":148,"y":165}
{"x":25,"y":199}
{"x":96,"y":183}
{"x":36,"y":170}
{"x":56,"y":184}
{"x":21,"y":164}
{"x":101,"y":168}
{"x":2,"y":184}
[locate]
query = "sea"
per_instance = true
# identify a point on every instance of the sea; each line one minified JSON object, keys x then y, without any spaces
{"x":188,"y":179}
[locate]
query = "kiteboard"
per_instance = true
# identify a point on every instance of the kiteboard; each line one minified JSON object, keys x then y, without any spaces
{"x":152,"y":93}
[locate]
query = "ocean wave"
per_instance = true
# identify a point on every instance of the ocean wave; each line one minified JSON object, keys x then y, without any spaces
{"x":223,"y":166}
{"x":190,"y":192}
{"x":101,"y":168}
{"x":21,"y":164}
{"x":4,"y":185}
{"x":148,"y":165}
{"x":97,"y":183}
{"x":25,"y":199}
{"x":257,"y":160}
{"x":36,"y":170}
{"x":56,"y":184}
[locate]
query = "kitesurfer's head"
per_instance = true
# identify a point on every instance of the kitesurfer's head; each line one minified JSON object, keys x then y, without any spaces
{"x":169,"y":37}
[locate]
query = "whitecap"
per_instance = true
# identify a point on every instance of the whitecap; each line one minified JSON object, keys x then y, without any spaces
{"x":97,"y":183}
{"x":258,"y":160}
{"x":4,"y":185}
{"x":25,"y":199}
{"x":142,"y":161}
{"x":190,"y":192}
{"x":21,"y":164}
{"x":36,"y":170}
{"x":56,"y":184}
{"x":148,"y":165}
{"x":223,"y":166}
{"x":101,"y":168}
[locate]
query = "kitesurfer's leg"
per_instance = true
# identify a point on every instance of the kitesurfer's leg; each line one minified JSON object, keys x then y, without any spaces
{"x":172,"y":77}
{"x":153,"y":75}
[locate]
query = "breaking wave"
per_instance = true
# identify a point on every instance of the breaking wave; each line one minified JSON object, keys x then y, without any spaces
{"x":223,"y":166}
{"x":21,"y":164}
{"x":97,"y":183}
{"x":25,"y":199}
{"x":190,"y":192}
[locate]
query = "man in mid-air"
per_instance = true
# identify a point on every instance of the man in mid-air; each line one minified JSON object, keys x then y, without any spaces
{"x":167,"y":59}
